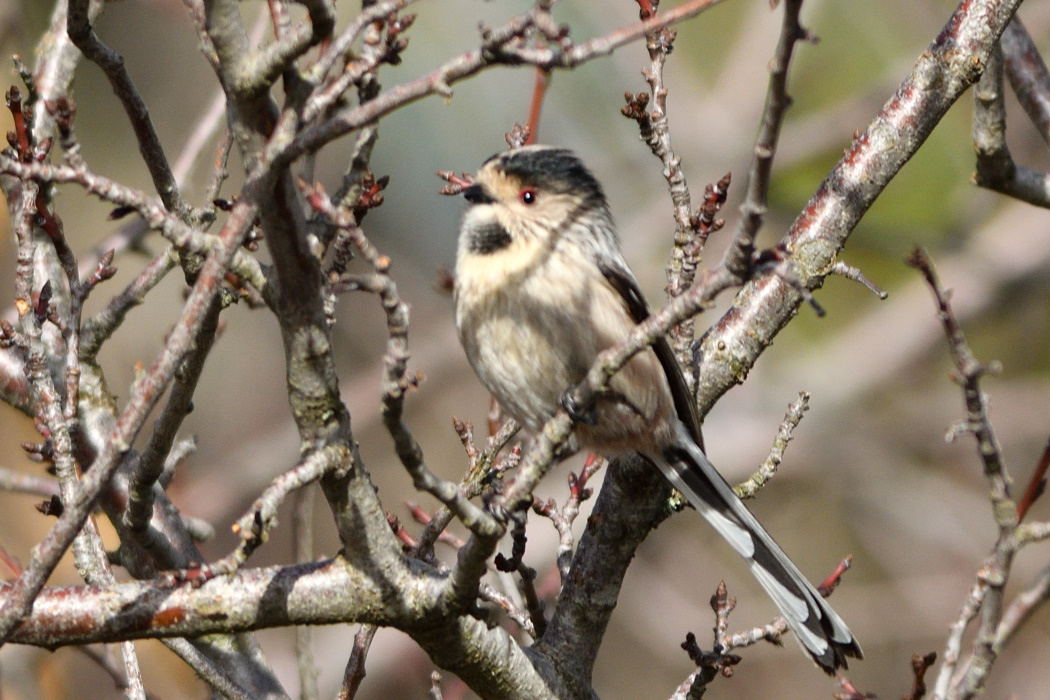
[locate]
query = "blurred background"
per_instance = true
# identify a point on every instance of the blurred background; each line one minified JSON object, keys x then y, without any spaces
{"x":869,"y":472}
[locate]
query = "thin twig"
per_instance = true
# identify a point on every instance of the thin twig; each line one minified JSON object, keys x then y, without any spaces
{"x":355,"y":666}
{"x":112,"y":64}
{"x":656,"y":132}
{"x":146,"y":394}
{"x":99,"y":328}
{"x":564,"y":517}
{"x":20,"y":482}
{"x":150,"y":209}
{"x":761,"y":477}
{"x":254,"y":526}
{"x":396,"y":380}
{"x":970,"y":372}
{"x":1022,"y":608}
{"x":756,"y":200}
{"x":986,"y":598}
{"x":496,"y":51}
{"x":1028,"y":75}
{"x":996,"y":169}
{"x":151,"y":462}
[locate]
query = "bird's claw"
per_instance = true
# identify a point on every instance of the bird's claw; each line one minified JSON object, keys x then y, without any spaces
{"x":579,"y":409}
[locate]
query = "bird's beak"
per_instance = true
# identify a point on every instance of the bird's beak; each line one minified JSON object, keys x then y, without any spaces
{"x":476,"y":195}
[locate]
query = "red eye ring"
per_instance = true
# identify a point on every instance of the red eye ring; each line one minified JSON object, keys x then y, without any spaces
{"x":527,"y":197}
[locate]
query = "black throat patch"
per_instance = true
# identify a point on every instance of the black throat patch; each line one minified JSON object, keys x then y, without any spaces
{"x":489,"y":238}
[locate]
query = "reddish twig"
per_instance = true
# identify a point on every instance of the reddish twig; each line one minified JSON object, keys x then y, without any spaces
{"x":828,"y":586}
{"x":539,"y":91}
{"x":850,"y":692}
{"x":1036,"y":485}
{"x":920,"y":663}
{"x":564,"y":517}
{"x":354,"y":673}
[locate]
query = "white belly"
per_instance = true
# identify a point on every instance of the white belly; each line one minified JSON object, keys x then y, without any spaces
{"x":529,"y":343}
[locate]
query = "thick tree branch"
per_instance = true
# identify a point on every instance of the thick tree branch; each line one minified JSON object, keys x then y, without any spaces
{"x":606,"y":549}
{"x":944,"y":71}
{"x":313,"y":593}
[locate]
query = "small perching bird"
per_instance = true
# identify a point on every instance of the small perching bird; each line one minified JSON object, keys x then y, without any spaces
{"x":541,"y":288}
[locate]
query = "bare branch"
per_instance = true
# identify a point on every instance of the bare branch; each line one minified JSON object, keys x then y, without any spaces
{"x":949,"y":66}
{"x":148,"y":390}
{"x":150,"y":209}
{"x":254,"y":526}
{"x":760,"y":478}
{"x":112,"y":64}
{"x":966,"y":677}
{"x":18,"y":482}
{"x":151,"y":463}
{"x":495,"y":51}
{"x":355,"y":667}
{"x":996,"y":169}
{"x":1028,"y":75}
{"x":396,"y":382}
{"x":656,"y":132}
{"x":739,"y":255}
{"x":970,"y":372}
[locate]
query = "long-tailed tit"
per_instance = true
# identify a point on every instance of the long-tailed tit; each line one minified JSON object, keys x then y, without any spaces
{"x":541,"y":288}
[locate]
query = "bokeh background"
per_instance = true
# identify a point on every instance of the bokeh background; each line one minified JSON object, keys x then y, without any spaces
{"x":869,"y":471}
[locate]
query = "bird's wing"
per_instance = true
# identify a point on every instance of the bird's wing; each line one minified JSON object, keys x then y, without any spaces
{"x":621,"y":279}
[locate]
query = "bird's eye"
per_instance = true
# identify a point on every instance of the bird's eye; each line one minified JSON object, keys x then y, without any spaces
{"x":527,"y":197}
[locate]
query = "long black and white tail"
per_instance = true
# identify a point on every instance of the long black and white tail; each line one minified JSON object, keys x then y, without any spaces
{"x":819,"y":628}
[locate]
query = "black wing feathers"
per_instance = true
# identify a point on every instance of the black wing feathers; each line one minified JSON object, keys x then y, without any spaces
{"x":623,"y":282}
